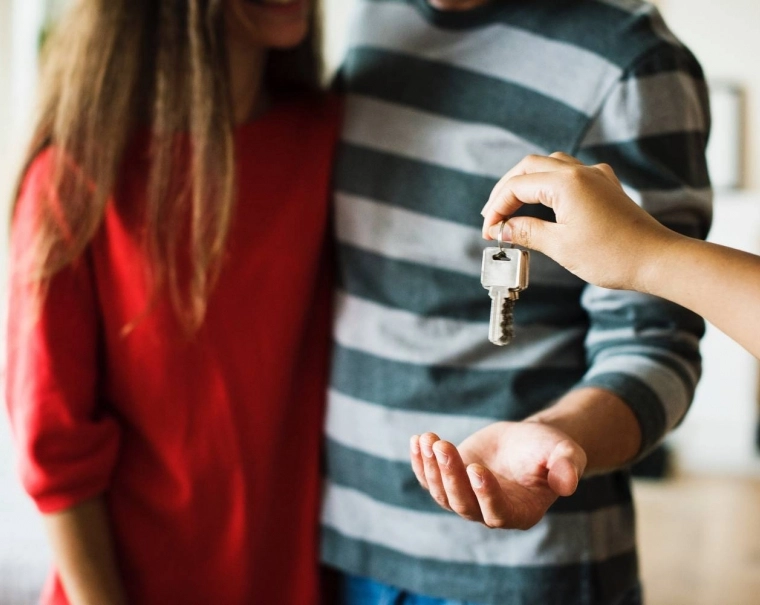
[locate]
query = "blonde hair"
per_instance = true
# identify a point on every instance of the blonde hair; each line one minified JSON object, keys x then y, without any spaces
{"x":112,"y":66}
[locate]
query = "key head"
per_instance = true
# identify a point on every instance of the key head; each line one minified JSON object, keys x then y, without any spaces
{"x":506,"y":268}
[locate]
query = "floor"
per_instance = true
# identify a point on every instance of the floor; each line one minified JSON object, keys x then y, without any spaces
{"x":700,"y":541}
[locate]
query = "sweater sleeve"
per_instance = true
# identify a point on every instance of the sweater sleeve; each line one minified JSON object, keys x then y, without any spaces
{"x":67,"y":444}
{"x":652,"y":129}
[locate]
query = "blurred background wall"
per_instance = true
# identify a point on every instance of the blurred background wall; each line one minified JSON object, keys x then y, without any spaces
{"x":720,"y":432}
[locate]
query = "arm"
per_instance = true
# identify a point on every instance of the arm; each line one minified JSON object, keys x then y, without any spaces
{"x":719,"y":283}
{"x":601,"y":424}
{"x":84,"y":554}
{"x":67,"y":443}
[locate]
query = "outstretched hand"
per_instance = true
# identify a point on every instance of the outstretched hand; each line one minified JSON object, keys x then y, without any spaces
{"x":600,"y":235}
{"x":506,"y":475}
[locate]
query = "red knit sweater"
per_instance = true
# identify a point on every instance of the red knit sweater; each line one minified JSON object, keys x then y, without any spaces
{"x":206,"y":449}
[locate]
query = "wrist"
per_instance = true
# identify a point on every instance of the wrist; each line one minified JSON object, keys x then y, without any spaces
{"x":655,"y":261}
{"x":599,"y":422}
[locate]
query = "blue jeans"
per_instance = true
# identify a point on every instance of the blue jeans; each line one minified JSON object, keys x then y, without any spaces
{"x":354,"y":590}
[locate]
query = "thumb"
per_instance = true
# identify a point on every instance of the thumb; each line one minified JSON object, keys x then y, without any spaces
{"x":526,"y":231}
{"x":566,"y":466}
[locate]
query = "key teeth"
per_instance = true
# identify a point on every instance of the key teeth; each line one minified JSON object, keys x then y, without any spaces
{"x":507,"y":321}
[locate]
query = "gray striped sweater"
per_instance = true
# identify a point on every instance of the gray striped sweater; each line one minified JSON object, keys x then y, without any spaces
{"x":439,"y":106}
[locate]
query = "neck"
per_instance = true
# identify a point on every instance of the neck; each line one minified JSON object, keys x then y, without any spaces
{"x":246,"y":70}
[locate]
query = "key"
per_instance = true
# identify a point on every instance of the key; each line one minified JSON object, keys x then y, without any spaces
{"x":504,"y":274}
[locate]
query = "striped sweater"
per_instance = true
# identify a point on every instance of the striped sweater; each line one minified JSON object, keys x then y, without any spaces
{"x":439,"y":106}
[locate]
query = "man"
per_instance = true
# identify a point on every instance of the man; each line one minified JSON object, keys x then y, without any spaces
{"x":442,"y":100}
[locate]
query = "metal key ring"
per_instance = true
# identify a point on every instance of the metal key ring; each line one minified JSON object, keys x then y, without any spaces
{"x":501,"y":237}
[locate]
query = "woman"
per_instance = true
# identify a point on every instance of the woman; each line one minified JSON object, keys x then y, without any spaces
{"x":169,"y":302}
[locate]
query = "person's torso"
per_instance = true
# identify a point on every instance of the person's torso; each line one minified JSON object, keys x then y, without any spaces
{"x":438,"y":107}
{"x":214,"y":497}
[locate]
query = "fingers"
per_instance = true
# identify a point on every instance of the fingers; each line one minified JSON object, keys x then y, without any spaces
{"x":461,"y":497}
{"x":608,"y":172}
{"x":566,"y":466}
{"x":439,"y":468}
{"x":416,"y":457}
{"x":432,"y":472}
{"x":566,"y":157}
{"x":529,"y":165}
{"x":528,"y":232}
{"x":494,"y":507}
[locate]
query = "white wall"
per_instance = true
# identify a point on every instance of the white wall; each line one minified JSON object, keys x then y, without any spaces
{"x":718,"y":434}
{"x":724,"y":36}
{"x":24,"y":553}
{"x":337,"y":14}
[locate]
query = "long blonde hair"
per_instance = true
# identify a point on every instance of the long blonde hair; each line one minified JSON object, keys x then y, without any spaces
{"x":112,"y":66}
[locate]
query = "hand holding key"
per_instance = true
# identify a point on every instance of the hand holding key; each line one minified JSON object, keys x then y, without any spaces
{"x":506,"y":475}
{"x":600,"y":235}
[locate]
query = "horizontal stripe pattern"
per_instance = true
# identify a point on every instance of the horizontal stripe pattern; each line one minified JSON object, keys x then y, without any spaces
{"x":491,"y":53}
{"x":413,"y":287}
{"x":384,"y":432}
{"x":684,"y":205}
{"x":406,"y":337}
{"x":416,"y":237}
{"x":656,"y":336}
{"x":666,"y":161}
{"x":494,"y":393}
{"x":639,"y":107}
{"x":427,"y":189}
{"x":418,"y":186}
{"x":396,"y":77}
{"x":475,"y":148}
{"x":667,"y":385}
{"x":555,"y":540}
{"x":401,"y":234}
{"x":601,"y":582}
{"x":612,"y":310}
{"x":610,"y":31}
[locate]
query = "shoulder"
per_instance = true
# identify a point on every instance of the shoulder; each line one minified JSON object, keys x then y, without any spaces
{"x":621,"y":32}
{"x":35,"y":188}
{"x":37,"y":174}
{"x":50,"y":165}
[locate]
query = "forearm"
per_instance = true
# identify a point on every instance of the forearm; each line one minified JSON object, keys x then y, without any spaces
{"x":600,"y":422}
{"x":84,"y":554}
{"x":720,"y":284}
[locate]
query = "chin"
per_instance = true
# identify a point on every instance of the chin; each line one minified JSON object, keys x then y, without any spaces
{"x":269,"y":23}
{"x":284,"y":38}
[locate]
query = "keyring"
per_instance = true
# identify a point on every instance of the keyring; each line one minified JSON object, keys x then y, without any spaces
{"x":501,"y":237}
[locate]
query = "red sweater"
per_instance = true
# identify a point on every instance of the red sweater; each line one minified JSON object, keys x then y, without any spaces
{"x":206,"y":449}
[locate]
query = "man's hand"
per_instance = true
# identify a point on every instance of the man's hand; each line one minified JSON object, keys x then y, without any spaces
{"x":506,"y":475}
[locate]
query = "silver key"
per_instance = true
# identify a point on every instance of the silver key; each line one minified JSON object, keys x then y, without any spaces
{"x":504,"y":274}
